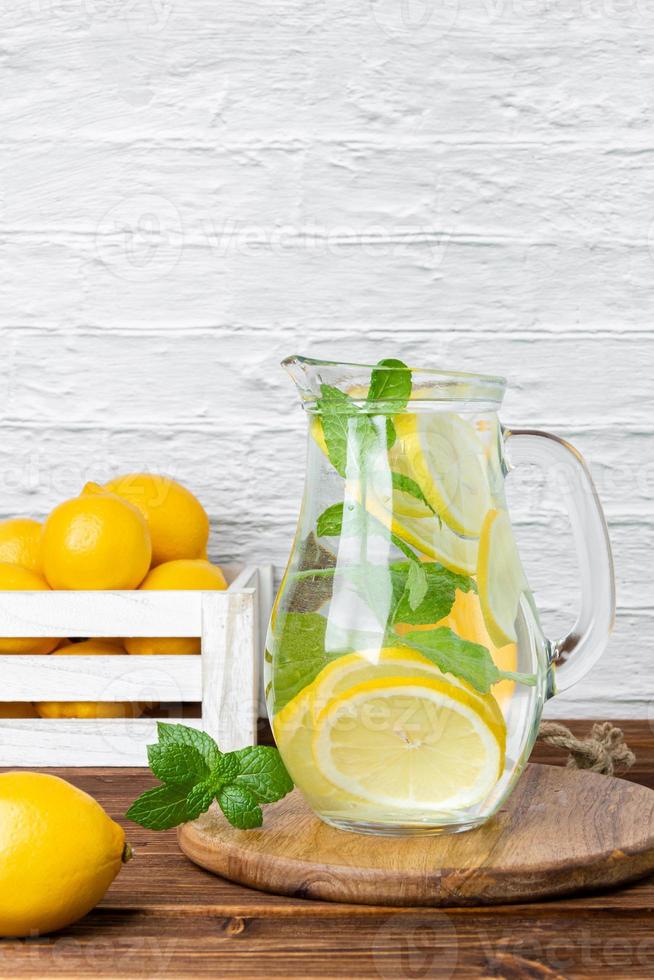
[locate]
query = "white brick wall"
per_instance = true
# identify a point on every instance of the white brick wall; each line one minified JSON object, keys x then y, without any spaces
{"x":192,"y":190}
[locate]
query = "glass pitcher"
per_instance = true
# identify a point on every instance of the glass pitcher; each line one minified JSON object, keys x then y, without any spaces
{"x":406,"y":669}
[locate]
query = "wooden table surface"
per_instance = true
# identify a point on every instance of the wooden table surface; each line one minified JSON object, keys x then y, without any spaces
{"x":164,"y":917}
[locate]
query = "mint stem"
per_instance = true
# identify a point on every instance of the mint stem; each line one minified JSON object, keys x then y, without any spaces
{"x":314,"y":572}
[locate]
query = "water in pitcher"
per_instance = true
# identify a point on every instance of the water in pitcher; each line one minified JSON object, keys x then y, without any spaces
{"x":405,"y":663}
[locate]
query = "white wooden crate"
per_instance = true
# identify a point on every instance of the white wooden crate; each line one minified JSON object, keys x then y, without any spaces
{"x":224,"y":678}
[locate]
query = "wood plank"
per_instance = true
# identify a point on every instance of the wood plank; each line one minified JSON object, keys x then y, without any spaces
{"x":395,"y":946}
{"x":165,"y":917}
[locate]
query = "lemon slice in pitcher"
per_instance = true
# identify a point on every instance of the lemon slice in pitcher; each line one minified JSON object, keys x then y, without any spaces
{"x":500,"y":577}
{"x":415,"y":743}
{"x":293,"y":731}
{"x":443,"y":454}
{"x":427,"y":534}
{"x":370,"y":665}
{"x":366,"y":665}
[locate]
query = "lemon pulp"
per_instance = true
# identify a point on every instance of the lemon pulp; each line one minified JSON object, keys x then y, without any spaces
{"x":409,"y":744}
{"x":444,"y":455}
{"x":500,"y":577}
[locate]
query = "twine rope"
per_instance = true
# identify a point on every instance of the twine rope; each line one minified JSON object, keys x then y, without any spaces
{"x":604,"y":750}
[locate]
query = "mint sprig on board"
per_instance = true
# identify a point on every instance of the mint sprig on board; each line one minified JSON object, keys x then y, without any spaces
{"x":194,"y":772}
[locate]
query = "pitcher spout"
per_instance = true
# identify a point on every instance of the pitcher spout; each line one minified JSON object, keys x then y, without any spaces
{"x":430,"y":385}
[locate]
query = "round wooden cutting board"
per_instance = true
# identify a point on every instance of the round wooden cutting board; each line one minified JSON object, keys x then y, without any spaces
{"x":562,"y":831}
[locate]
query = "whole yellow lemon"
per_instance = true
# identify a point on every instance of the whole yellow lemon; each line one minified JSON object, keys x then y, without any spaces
{"x":178,"y":522}
{"x":89,"y":709}
{"x":60,"y":852}
{"x":185,"y":574}
{"x":20,"y":543}
{"x":15,"y":578}
{"x":96,"y":541}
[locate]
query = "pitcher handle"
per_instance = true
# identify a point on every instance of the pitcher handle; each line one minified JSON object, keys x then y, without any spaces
{"x":575,"y":654}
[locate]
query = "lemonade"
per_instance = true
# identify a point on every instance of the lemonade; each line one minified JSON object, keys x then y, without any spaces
{"x":405,"y":663}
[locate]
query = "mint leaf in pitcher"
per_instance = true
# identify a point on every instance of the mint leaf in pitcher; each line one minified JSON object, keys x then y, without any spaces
{"x":469,"y":661}
{"x":336,"y":409}
{"x":406,"y":485}
{"x":330,"y":522}
{"x":301,"y":654}
{"x":437,"y":602}
{"x":416,"y":585}
{"x":315,"y":567}
{"x":390,"y":386}
{"x":389,"y":392}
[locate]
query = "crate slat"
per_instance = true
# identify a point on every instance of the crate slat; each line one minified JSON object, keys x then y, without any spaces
{"x":98,"y":678}
{"x":230,"y":677}
{"x":102,"y":613}
{"x":80,"y":742}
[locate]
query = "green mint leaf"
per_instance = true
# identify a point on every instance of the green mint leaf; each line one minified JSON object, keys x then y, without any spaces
{"x":438,"y":598}
{"x":416,"y":585}
{"x":240,"y":780}
{"x":344,"y":441}
{"x":313,"y":556}
{"x":390,"y":386}
{"x":391,"y":434}
{"x":389,"y":391}
{"x":375,"y":586}
{"x":226,"y":771}
{"x":357,"y":520}
{"x":300,"y":641}
{"x":405,"y":549}
{"x":183,"y":735}
{"x":262,"y":773}
{"x":240,"y":807}
{"x":199,"y":799}
{"x":367,"y":438}
{"x":310,"y":585}
{"x":330,"y":522}
{"x":177,"y":764}
{"x":160,"y":808}
{"x":469,"y":661}
{"x":407,"y":485}
{"x":336,"y":409}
